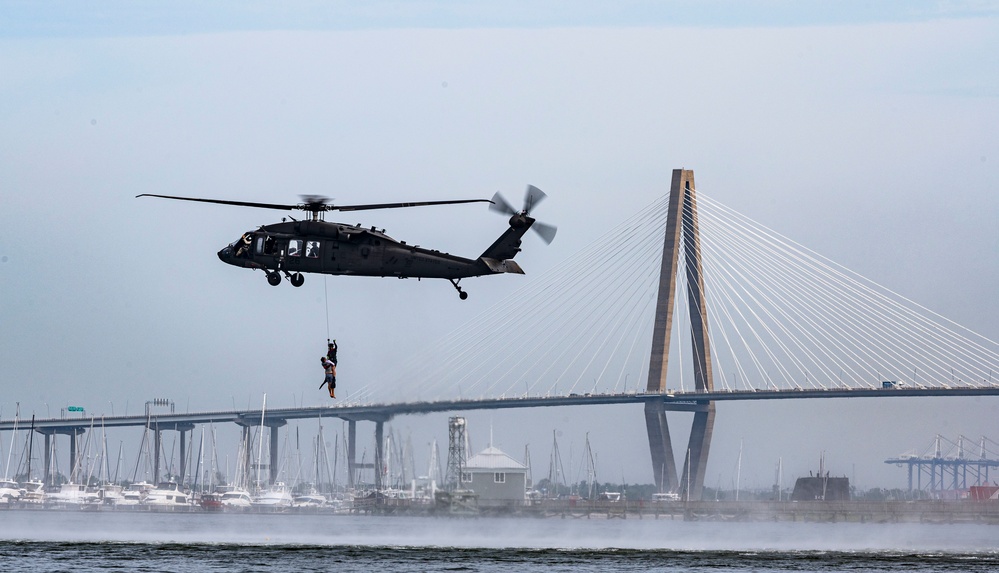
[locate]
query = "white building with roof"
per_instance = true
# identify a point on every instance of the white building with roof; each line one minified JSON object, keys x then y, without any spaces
{"x":496,"y":478}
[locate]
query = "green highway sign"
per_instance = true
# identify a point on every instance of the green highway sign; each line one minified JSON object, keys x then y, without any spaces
{"x":75,"y":409}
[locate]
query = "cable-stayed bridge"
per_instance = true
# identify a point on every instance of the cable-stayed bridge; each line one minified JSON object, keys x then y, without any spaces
{"x":756,"y":316}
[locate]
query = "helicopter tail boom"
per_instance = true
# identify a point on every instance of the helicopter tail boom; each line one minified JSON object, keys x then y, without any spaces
{"x":508,"y":244}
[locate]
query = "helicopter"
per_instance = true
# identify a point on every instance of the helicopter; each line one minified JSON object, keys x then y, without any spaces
{"x":291,"y":248}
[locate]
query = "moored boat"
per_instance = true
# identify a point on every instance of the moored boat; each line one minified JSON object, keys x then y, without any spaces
{"x":167,"y":496}
{"x":10,"y":491}
{"x":33,"y":492}
{"x":236,"y":498}
{"x":73,"y":495}
{"x":275,"y":497}
{"x":211,"y":502}
{"x":134,"y":494}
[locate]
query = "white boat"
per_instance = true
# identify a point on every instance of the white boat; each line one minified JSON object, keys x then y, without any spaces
{"x":313,"y":499}
{"x":274,"y":497}
{"x":134,"y":494}
{"x":33,"y":491}
{"x":111,"y":494}
{"x":72,"y":494}
{"x":236,"y":498}
{"x":10,"y":491}
{"x":167,"y":496}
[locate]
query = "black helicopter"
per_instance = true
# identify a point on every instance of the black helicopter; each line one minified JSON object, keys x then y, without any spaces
{"x":291,"y":248}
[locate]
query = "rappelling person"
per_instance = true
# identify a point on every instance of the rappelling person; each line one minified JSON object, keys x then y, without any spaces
{"x":331,"y":350}
{"x":330,"y":380}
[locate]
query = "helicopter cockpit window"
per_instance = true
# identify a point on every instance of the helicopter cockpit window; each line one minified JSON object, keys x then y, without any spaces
{"x":295,"y":248}
{"x":242,"y":245}
{"x":312,"y":249}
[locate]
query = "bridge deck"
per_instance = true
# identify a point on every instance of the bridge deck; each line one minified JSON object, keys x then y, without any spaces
{"x":678,"y":401}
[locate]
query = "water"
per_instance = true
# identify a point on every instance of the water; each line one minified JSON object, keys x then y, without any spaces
{"x":91,"y":542}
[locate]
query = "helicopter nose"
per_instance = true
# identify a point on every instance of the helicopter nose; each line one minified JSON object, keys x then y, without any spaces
{"x":225,"y":254}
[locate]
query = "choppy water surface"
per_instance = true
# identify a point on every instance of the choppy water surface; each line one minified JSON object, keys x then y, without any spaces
{"x":80,"y":542}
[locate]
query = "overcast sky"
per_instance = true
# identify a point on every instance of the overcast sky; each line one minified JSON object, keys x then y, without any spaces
{"x":865,"y":131}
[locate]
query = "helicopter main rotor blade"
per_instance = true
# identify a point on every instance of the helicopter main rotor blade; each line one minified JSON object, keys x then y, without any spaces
{"x":314,"y":204}
{"x":223,"y":202}
{"x":401,"y":205}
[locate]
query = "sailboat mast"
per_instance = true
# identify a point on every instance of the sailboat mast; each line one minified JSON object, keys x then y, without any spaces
{"x":13,"y":435}
{"x":31,"y":444}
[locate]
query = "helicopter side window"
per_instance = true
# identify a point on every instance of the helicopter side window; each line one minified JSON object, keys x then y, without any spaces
{"x":260,"y":246}
{"x":295,"y":248}
{"x":270,"y":245}
{"x":312,"y":249}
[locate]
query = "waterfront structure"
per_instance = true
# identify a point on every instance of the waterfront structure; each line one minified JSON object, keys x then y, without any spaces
{"x":952,"y":472}
{"x":495,"y":477}
{"x":456,"y":456}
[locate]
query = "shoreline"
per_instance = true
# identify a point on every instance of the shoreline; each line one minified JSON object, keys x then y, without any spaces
{"x":926,"y":511}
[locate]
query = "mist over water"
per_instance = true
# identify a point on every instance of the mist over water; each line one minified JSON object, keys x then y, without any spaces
{"x":492,"y":533}
{"x":58,"y":541}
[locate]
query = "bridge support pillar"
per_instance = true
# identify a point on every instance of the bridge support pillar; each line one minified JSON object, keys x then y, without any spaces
{"x":661,"y":447}
{"x":274,"y":463}
{"x":157,"y":436}
{"x":692,"y":480}
{"x":183,"y":457}
{"x":379,"y":453}
{"x":246,"y":479}
{"x":682,"y":240}
{"x":50,"y":434}
{"x":72,"y":458}
{"x":351,"y":452}
{"x":48,"y":460}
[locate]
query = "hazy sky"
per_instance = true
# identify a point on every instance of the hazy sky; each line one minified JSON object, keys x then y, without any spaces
{"x":864,"y":131}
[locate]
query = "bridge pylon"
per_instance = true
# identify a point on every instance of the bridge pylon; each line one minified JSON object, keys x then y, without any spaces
{"x":682,"y":238}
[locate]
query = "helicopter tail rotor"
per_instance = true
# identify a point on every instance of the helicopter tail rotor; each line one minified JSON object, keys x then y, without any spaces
{"x":532,"y":197}
{"x":500,"y":205}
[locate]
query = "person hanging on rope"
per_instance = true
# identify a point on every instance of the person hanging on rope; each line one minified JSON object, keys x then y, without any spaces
{"x":331,"y":352}
{"x":330,"y":380}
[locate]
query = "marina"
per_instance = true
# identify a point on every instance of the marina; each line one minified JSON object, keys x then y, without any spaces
{"x":169,"y":498}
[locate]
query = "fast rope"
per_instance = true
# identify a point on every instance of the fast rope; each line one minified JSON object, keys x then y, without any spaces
{"x":326,"y":291}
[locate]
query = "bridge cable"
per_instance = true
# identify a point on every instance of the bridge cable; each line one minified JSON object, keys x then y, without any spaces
{"x":780,"y":317}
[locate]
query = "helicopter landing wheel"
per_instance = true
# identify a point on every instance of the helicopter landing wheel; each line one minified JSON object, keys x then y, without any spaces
{"x":297,"y":280}
{"x":461,"y":294}
{"x":274,"y":278}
